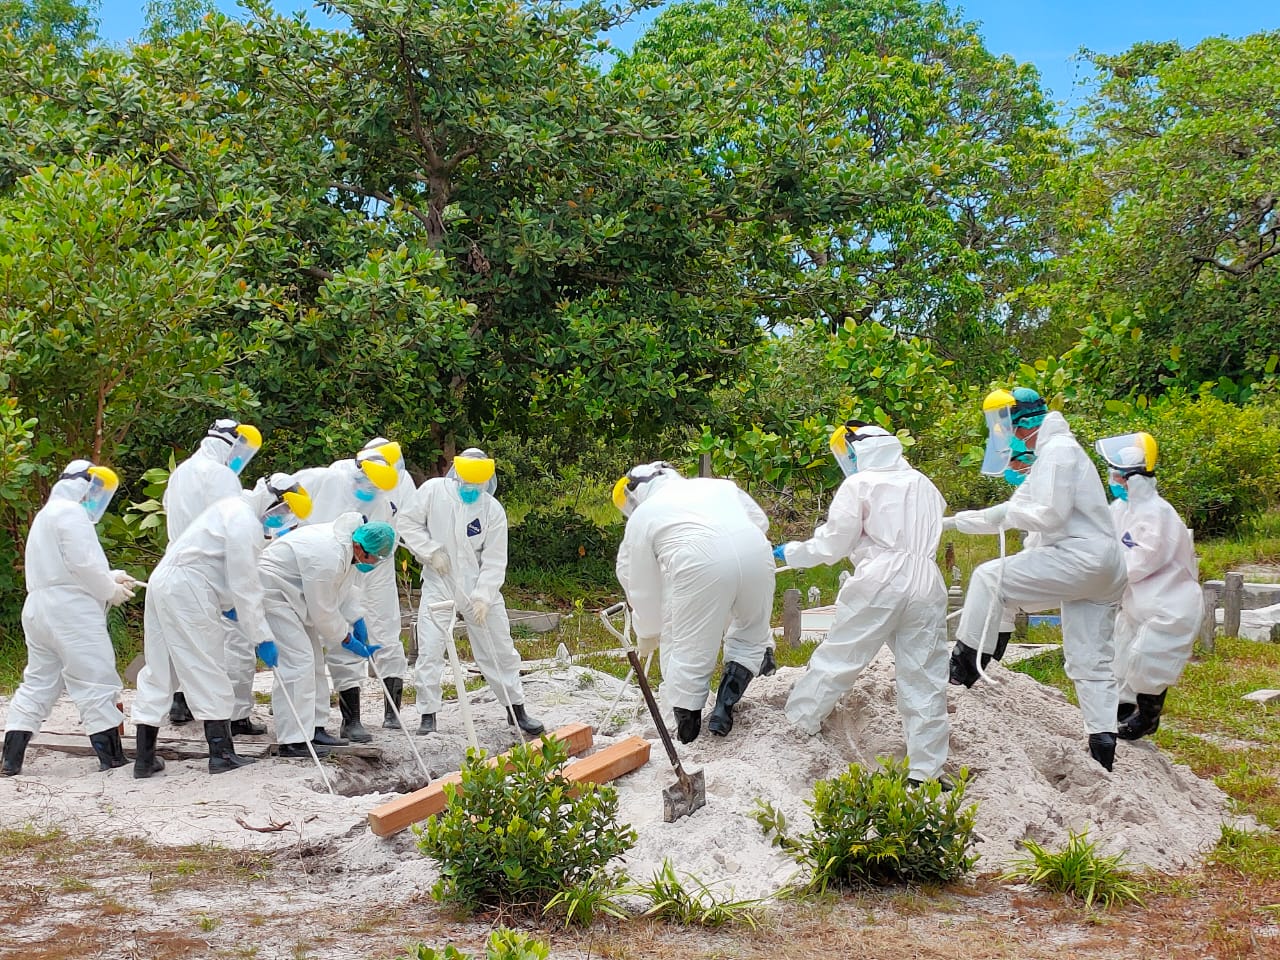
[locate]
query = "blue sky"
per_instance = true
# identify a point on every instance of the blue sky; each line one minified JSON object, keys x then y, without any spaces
{"x":1047,"y":33}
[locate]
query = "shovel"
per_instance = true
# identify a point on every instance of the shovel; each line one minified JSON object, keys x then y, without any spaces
{"x":689,"y":792}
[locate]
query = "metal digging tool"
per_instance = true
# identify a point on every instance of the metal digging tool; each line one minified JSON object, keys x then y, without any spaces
{"x":689,"y":792}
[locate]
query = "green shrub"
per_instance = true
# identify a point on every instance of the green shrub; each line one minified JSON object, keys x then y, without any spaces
{"x":563,"y":540}
{"x":503,"y":944}
{"x":690,"y":902}
{"x":516,"y":836}
{"x":1077,"y":869}
{"x":870,"y":827}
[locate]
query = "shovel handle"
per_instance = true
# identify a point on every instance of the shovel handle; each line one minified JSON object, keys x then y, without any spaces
{"x":657,"y":715}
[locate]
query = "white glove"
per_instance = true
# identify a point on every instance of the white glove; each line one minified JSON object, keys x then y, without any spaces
{"x":479,"y":610}
{"x":948,"y":523}
{"x":647,"y":645}
{"x":440,"y":561}
{"x":122,"y":593}
{"x":995,"y":515}
{"x":120,"y":576}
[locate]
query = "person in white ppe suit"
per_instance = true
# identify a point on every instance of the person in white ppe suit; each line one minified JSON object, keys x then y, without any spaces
{"x":697,"y":571}
{"x":1070,"y":558}
{"x":886,"y":518}
{"x":1163,"y":604}
{"x":69,"y":586}
{"x":210,"y":568}
{"x":211,"y":473}
{"x":368,"y":484}
{"x":311,"y":583}
{"x":458,"y":531}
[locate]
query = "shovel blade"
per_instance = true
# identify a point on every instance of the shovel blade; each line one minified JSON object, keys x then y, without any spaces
{"x":683,"y":797}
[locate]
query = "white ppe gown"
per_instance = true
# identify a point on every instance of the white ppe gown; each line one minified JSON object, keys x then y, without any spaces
{"x":64,"y":619}
{"x":332,"y":491}
{"x":474,"y":536}
{"x":697,"y":569}
{"x":887,"y":519}
{"x":1070,"y":560}
{"x":311,"y":596}
{"x":196,"y":484}
{"x":1163,"y":604}
{"x":211,"y":567}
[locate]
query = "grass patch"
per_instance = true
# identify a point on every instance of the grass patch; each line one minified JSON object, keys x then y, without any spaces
{"x":1077,"y":869}
{"x":692,"y":903}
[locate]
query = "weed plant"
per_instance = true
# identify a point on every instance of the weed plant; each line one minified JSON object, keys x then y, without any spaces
{"x":503,"y":944}
{"x":1077,"y":869}
{"x":518,"y":834}
{"x":692,"y":903}
{"x":870,"y":828}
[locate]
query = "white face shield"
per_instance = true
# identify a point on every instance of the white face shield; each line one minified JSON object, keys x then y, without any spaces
{"x":1129,"y":453}
{"x":248,"y":442}
{"x":999,"y":441}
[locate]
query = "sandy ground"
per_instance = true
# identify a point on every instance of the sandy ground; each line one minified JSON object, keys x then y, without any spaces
{"x":1023,"y":743}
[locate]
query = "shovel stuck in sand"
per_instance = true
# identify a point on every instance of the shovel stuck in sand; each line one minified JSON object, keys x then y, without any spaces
{"x":689,"y":792}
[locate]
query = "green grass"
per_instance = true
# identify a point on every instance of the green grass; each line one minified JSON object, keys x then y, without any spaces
{"x":1257,"y":541}
{"x":1077,"y":869}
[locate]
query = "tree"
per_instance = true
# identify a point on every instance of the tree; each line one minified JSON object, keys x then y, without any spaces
{"x":168,"y":18}
{"x":66,"y":25}
{"x":1173,"y":210}
{"x":898,"y":165}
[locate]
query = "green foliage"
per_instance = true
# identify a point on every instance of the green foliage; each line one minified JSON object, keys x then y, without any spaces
{"x":516,"y":835}
{"x":691,"y":902}
{"x":1077,"y":869}
{"x":870,"y":827}
{"x":65,"y":25}
{"x":559,"y":542}
{"x":503,"y":944}
{"x":594,"y":896}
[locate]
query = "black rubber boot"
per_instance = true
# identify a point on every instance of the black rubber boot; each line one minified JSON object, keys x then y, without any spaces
{"x":395,"y":690}
{"x":1102,"y":747}
{"x":963,"y":670}
{"x":110,"y":751}
{"x":1002,"y":644}
{"x":15,"y":748}
{"x":222,"y":752}
{"x":530,"y":725}
{"x":323,"y":736}
{"x":299,"y":751}
{"x":427,"y":724}
{"x":944,"y":785}
{"x":688,"y":724}
{"x":769,"y":665}
{"x":245,"y":727}
{"x":733,"y":684}
{"x":349,"y":707}
{"x":179,"y":712}
{"x":1124,"y":711}
{"x":145,"y":761}
{"x":1145,"y":719}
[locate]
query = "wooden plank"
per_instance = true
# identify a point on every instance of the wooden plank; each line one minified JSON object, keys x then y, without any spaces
{"x":392,"y":817}
{"x":185,"y":748}
{"x":610,"y":763}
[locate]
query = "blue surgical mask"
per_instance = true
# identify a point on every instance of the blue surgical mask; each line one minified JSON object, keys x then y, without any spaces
{"x":236,"y":465}
{"x":365,"y":567}
{"x":1119,"y":492}
{"x":1013,"y":477}
{"x":365,"y":496}
{"x":468,"y":494}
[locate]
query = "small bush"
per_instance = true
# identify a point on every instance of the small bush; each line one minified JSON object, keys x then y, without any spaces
{"x":1077,"y":869}
{"x":503,"y":944}
{"x":691,"y":902}
{"x":517,"y":835}
{"x":870,"y":828}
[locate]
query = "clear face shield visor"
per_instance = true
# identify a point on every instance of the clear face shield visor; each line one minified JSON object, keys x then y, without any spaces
{"x":248,"y":442}
{"x":103,"y":483}
{"x":999,"y":441}
{"x":842,"y":450}
{"x":1129,"y":453}
{"x":475,"y":475}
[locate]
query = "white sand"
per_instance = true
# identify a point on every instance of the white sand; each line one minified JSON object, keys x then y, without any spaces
{"x":1023,"y":742}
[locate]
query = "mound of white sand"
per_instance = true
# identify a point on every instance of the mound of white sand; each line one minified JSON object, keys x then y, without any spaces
{"x":1022,"y":742}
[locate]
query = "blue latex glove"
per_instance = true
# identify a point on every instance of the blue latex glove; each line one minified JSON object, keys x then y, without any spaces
{"x":268,"y":653}
{"x":231,"y":615}
{"x":360,"y":631}
{"x":780,"y":553}
{"x":359,"y":648}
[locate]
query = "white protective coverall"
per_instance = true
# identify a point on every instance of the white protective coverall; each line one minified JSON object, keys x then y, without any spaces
{"x":697,"y":568}
{"x":196,"y":484}
{"x":1162,"y":606}
{"x":332,"y":491}
{"x":69,"y":584}
{"x":311,"y":596}
{"x":211,"y":567}
{"x":1071,"y":559}
{"x":475,"y":538}
{"x":887,"y":519}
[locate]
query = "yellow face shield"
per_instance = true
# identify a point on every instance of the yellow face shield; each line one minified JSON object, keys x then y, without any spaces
{"x":299,"y":501}
{"x":620,"y":493}
{"x":381,"y":474}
